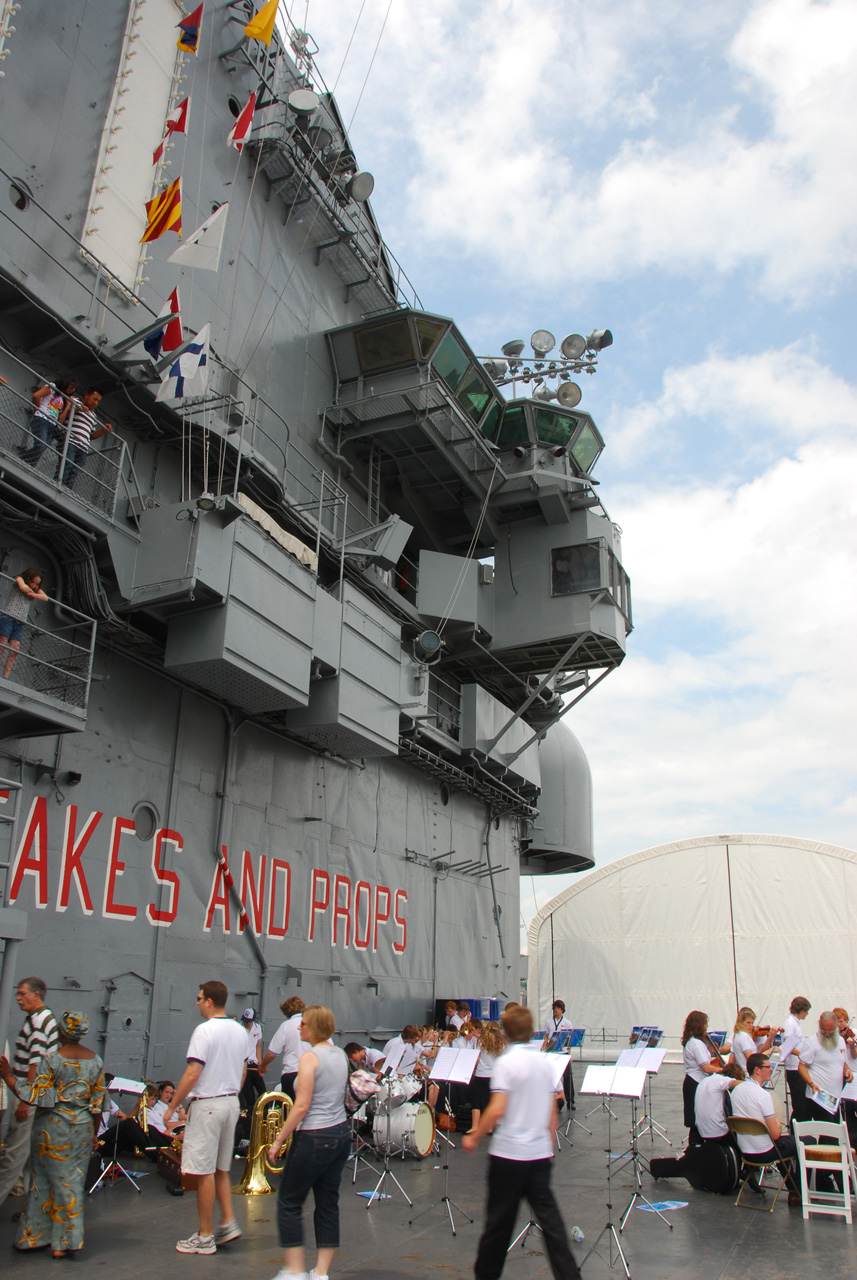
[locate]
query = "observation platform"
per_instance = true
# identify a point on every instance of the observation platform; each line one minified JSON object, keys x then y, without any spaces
{"x":710,"y":1237}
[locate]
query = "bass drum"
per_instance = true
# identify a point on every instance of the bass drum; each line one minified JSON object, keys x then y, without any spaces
{"x":411,"y":1129}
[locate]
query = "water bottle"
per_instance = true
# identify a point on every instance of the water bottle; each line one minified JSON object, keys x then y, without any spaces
{"x":577,"y":1235}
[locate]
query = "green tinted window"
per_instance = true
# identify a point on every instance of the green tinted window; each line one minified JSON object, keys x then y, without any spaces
{"x":473,"y":395}
{"x":586,"y":448}
{"x":575,"y":569}
{"x":427,"y":334}
{"x":514,"y":428}
{"x":450,"y":361}
{"x":492,"y":417}
{"x":554,"y":428}
{"x":382,"y":346}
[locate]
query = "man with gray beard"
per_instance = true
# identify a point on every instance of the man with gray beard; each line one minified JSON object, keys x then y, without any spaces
{"x":823,"y":1066}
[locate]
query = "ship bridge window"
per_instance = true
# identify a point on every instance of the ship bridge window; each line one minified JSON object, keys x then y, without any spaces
{"x":586,"y":447}
{"x":383,"y":346}
{"x":514,"y":427}
{"x":620,"y":585}
{"x":575,"y":569}
{"x":492,"y":418}
{"x":450,"y":361}
{"x":473,"y":395}
{"x":428,"y":332}
{"x":553,"y":427}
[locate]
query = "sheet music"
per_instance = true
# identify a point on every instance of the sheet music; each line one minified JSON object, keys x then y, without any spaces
{"x":393,"y":1060}
{"x":120,"y":1085}
{"x":652,"y":1060}
{"x":559,"y":1062}
{"x":789,"y":1045}
{"x":632,"y":1057}
{"x":830,"y":1101}
{"x":623,"y":1082}
{"x":850,"y":1090}
{"x":455,"y":1065}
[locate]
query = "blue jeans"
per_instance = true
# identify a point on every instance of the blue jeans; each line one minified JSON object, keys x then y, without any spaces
{"x":315,"y":1162}
{"x":41,"y":430}
{"x":75,"y":458}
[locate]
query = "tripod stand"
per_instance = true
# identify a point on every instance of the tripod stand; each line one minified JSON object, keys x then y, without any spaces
{"x":113,"y":1169}
{"x":445,"y":1200}
{"x":359,"y":1142}
{"x":385,"y":1108}
{"x":633,"y":1157}
{"x":647,"y":1122}
{"x":609,"y":1228}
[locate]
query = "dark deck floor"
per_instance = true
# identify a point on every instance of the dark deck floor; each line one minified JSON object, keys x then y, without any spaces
{"x":131,"y":1235}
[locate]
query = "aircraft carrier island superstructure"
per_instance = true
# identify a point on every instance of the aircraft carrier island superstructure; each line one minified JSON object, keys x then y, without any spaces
{"x":291,"y":714}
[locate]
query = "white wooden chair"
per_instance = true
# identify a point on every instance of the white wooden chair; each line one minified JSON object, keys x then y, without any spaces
{"x":834,"y":1157}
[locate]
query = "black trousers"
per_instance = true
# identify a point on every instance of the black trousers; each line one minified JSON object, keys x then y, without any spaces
{"x":510,"y":1182}
{"x":797,"y":1093}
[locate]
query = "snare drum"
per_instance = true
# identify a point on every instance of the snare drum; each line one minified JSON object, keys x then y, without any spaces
{"x":411,"y":1129}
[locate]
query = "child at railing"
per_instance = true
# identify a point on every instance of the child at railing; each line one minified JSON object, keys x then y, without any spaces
{"x":52,"y":409}
{"x":27,"y":587}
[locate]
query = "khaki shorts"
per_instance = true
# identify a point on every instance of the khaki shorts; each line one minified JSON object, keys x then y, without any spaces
{"x":209,"y":1138}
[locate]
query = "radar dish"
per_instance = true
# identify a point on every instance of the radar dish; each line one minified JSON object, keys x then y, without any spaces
{"x":568,"y":394}
{"x":304,"y":101}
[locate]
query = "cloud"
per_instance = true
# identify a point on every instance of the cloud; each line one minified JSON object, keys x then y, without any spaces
{"x":626,"y":138}
{"x":776,"y":398}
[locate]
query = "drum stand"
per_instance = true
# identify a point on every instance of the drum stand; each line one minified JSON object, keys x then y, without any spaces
{"x":378,"y":1192}
{"x":609,"y":1228}
{"x":633,"y":1157}
{"x":445,"y":1200}
{"x":360,"y":1143}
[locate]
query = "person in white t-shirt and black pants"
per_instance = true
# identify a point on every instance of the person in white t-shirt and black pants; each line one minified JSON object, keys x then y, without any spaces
{"x":522,"y":1115}
{"x":213,"y":1078}
{"x":559,"y":1022}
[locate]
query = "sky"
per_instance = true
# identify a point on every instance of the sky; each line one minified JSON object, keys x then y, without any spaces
{"x":684,"y":175}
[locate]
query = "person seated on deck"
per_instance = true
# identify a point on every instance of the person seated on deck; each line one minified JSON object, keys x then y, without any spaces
{"x":709,"y":1104}
{"x":751,"y":1100}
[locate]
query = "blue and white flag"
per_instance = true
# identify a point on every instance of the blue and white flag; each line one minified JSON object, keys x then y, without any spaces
{"x":188,"y":374}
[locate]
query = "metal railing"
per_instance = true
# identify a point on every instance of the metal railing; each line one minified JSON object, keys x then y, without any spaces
{"x":55,"y":664}
{"x":95,"y":479}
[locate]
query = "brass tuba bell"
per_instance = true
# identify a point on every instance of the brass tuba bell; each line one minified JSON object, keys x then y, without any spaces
{"x":269,"y":1115}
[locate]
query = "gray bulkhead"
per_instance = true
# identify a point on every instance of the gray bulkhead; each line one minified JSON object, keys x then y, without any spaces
{"x":258,"y":709}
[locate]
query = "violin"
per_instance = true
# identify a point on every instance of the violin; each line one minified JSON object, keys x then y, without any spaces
{"x":718,"y":1056}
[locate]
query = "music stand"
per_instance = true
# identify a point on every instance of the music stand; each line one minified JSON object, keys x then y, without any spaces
{"x":612,"y":1082}
{"x":652,"y":1060}
{"x":113,"y":1168}
{"x":455,"y":1066}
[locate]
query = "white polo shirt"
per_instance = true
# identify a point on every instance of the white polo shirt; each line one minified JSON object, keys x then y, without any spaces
{"x":708,"y":1106}
{"x":220,"y":1044}
{"x":749,"y":1099}
{"x":524,"y":1132}
{"x":825,"y":1065}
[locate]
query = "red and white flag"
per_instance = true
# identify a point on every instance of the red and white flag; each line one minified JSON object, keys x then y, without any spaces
{"x":176,"y":123}
{"x":239,"y":131}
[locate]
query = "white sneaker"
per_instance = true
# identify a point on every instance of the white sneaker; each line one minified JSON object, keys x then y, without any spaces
{"x":196,"y":1244}
{"x":227,"y":1231}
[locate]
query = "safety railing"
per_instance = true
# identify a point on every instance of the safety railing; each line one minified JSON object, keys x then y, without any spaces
{"x":55,"y":663}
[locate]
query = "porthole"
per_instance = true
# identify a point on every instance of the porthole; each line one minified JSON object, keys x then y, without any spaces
{"x":128,"y":1024}
{"x":20,"y":194}
{"x":234,"y":106}
{"x":496,"y":824}
{"x":146,"y":821}
{"x":444,"y":793}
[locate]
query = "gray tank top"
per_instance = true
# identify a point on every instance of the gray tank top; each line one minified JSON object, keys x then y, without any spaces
{"x":328,"y":1095}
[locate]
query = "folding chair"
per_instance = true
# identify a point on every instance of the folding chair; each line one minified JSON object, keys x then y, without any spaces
{"x":832,"y":1157}
{"x":751,"y":1163}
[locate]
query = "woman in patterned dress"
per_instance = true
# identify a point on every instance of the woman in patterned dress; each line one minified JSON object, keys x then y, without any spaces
{"x":68,"y":1092}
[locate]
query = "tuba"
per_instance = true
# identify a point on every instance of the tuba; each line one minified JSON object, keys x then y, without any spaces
{"x":269,"y":1114}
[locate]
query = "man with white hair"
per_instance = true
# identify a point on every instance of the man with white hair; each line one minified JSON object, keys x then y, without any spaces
{"x":824,"y":1066}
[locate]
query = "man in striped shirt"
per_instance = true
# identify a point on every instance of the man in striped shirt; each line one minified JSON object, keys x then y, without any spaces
{"x":38,"y":1036}
{"x":82,"y":428}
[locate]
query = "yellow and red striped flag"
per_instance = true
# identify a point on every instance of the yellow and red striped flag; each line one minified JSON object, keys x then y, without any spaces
{"x":164,"y":212}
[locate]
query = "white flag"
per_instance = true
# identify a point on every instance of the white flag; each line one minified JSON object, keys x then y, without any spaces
{"x":202,"y":248}
{"x":188,"y":374}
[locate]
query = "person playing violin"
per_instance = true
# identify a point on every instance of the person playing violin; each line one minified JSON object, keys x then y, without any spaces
{"x":698,"y":1063}
{"x":748,"y":1038}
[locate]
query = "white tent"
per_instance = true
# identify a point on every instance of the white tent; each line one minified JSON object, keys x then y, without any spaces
{"x":711,"y":923}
